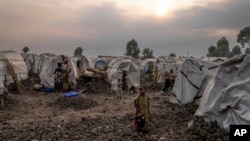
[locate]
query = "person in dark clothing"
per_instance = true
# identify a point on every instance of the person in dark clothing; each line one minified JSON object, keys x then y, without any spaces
{"x":124,"y":81}
{"x":58,"y":78}
{"x":172,"y":79}
{"x":167,"y":83}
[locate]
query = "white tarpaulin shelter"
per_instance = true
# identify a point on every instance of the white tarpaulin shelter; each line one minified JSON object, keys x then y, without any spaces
{"x":18,"y":65}
{"x":101,"y":63}
{"x":116,"y":68}
{"x":145,"y":66}
{"x":226,"y":98}
{"x":82,"y":63}
{"x":164,"y":66}
{"x":34,"y":62}
{"x":47,"y":74}
{"x":192,"y":77}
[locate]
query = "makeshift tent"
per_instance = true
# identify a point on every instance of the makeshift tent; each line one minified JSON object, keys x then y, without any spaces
{"x":116,"y":68}
{"x":145,"y":66}
{"x":101,"y":64}
{"x":18,"y":65}
{"x":226,"y":99}
{"x":47,"y":74}
{"x":34,"y":62}
{"x":82,"y":63}
{"x":191,"y":78}
{"x":164,"y":66}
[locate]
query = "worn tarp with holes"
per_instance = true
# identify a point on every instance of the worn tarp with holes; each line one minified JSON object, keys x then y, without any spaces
{"x":116,"y":68}
{"x":226,"y":98}
{"x":18,"y":65}
{"x":191,"y":79}
{"x":47,"y":73}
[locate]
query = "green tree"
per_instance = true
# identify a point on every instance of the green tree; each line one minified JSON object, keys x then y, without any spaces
{"x":223,"y":51}
{"x":26,"y":49}
{"x":244,"y":36}
{"x":132,"y":49}
{"x":236,"y":51}
{"x":172,"y":55}
{"x":147,"y":53}
{"x":78,"y":51}
{"x":212,"y":52}
{"x":223,"y":42}
{"x":247,"y":51}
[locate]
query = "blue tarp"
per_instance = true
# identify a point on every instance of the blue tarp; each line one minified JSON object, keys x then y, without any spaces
{"x":70,"y":94}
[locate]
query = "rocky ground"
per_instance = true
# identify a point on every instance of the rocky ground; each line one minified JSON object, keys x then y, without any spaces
{"x":98,"y":115}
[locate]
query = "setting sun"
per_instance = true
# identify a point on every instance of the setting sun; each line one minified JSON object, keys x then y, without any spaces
{"x":161,"y":11}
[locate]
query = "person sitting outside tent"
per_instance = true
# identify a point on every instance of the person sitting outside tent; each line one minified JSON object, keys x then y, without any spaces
{"x":119,"y":89}
{"x":124,"y":81}
{"x":155,"y":78}
{"x":141,"y":104}
{"x":167,"y":83}
{"x":58,"y":78}
{"x":66,"y":76}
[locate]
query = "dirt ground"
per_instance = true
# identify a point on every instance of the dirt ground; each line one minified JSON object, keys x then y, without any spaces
{"x":41,"y":116}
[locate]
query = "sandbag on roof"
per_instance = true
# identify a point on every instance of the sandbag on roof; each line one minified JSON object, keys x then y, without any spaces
{"x":227,"y":95}
{"x":116,"y":68}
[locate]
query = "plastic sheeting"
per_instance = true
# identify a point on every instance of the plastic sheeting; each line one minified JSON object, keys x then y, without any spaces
{"x":34,"y":62}
{"x":81,"y":63}
{"x":47,"y":74}
{"x":226,"y":99}
{"x":18,"y":65}
{"x":164,"y":66}
{"x":116,"y":68}
{"x":101,"y":64}
{"x":191,"y":78}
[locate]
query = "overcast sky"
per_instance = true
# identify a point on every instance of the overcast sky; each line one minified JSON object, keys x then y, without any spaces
{"x":103,"y":27}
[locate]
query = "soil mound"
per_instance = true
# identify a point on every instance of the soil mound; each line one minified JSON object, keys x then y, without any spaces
{"x":77,"y":102}
{"x":6,"y":102}
{"x":93,"y":85}
{"x":209,"y":131}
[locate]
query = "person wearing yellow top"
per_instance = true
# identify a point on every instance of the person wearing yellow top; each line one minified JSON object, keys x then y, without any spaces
{"x":141,"y":103}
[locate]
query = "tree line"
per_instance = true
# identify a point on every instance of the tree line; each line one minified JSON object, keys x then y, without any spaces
{"x":221,"y":49}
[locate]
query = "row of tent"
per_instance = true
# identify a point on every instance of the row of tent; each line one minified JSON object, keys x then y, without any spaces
{"x":223,"y":90}
{"x":44,"y":65}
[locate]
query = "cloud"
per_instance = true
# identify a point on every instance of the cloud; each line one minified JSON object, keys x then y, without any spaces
{"x":106,"y":27}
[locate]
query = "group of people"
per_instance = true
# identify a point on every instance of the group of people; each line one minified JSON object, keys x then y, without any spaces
{"x":62,"y":77}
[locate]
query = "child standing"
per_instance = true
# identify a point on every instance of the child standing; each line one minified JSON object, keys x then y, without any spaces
{"x":119,"y":89}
